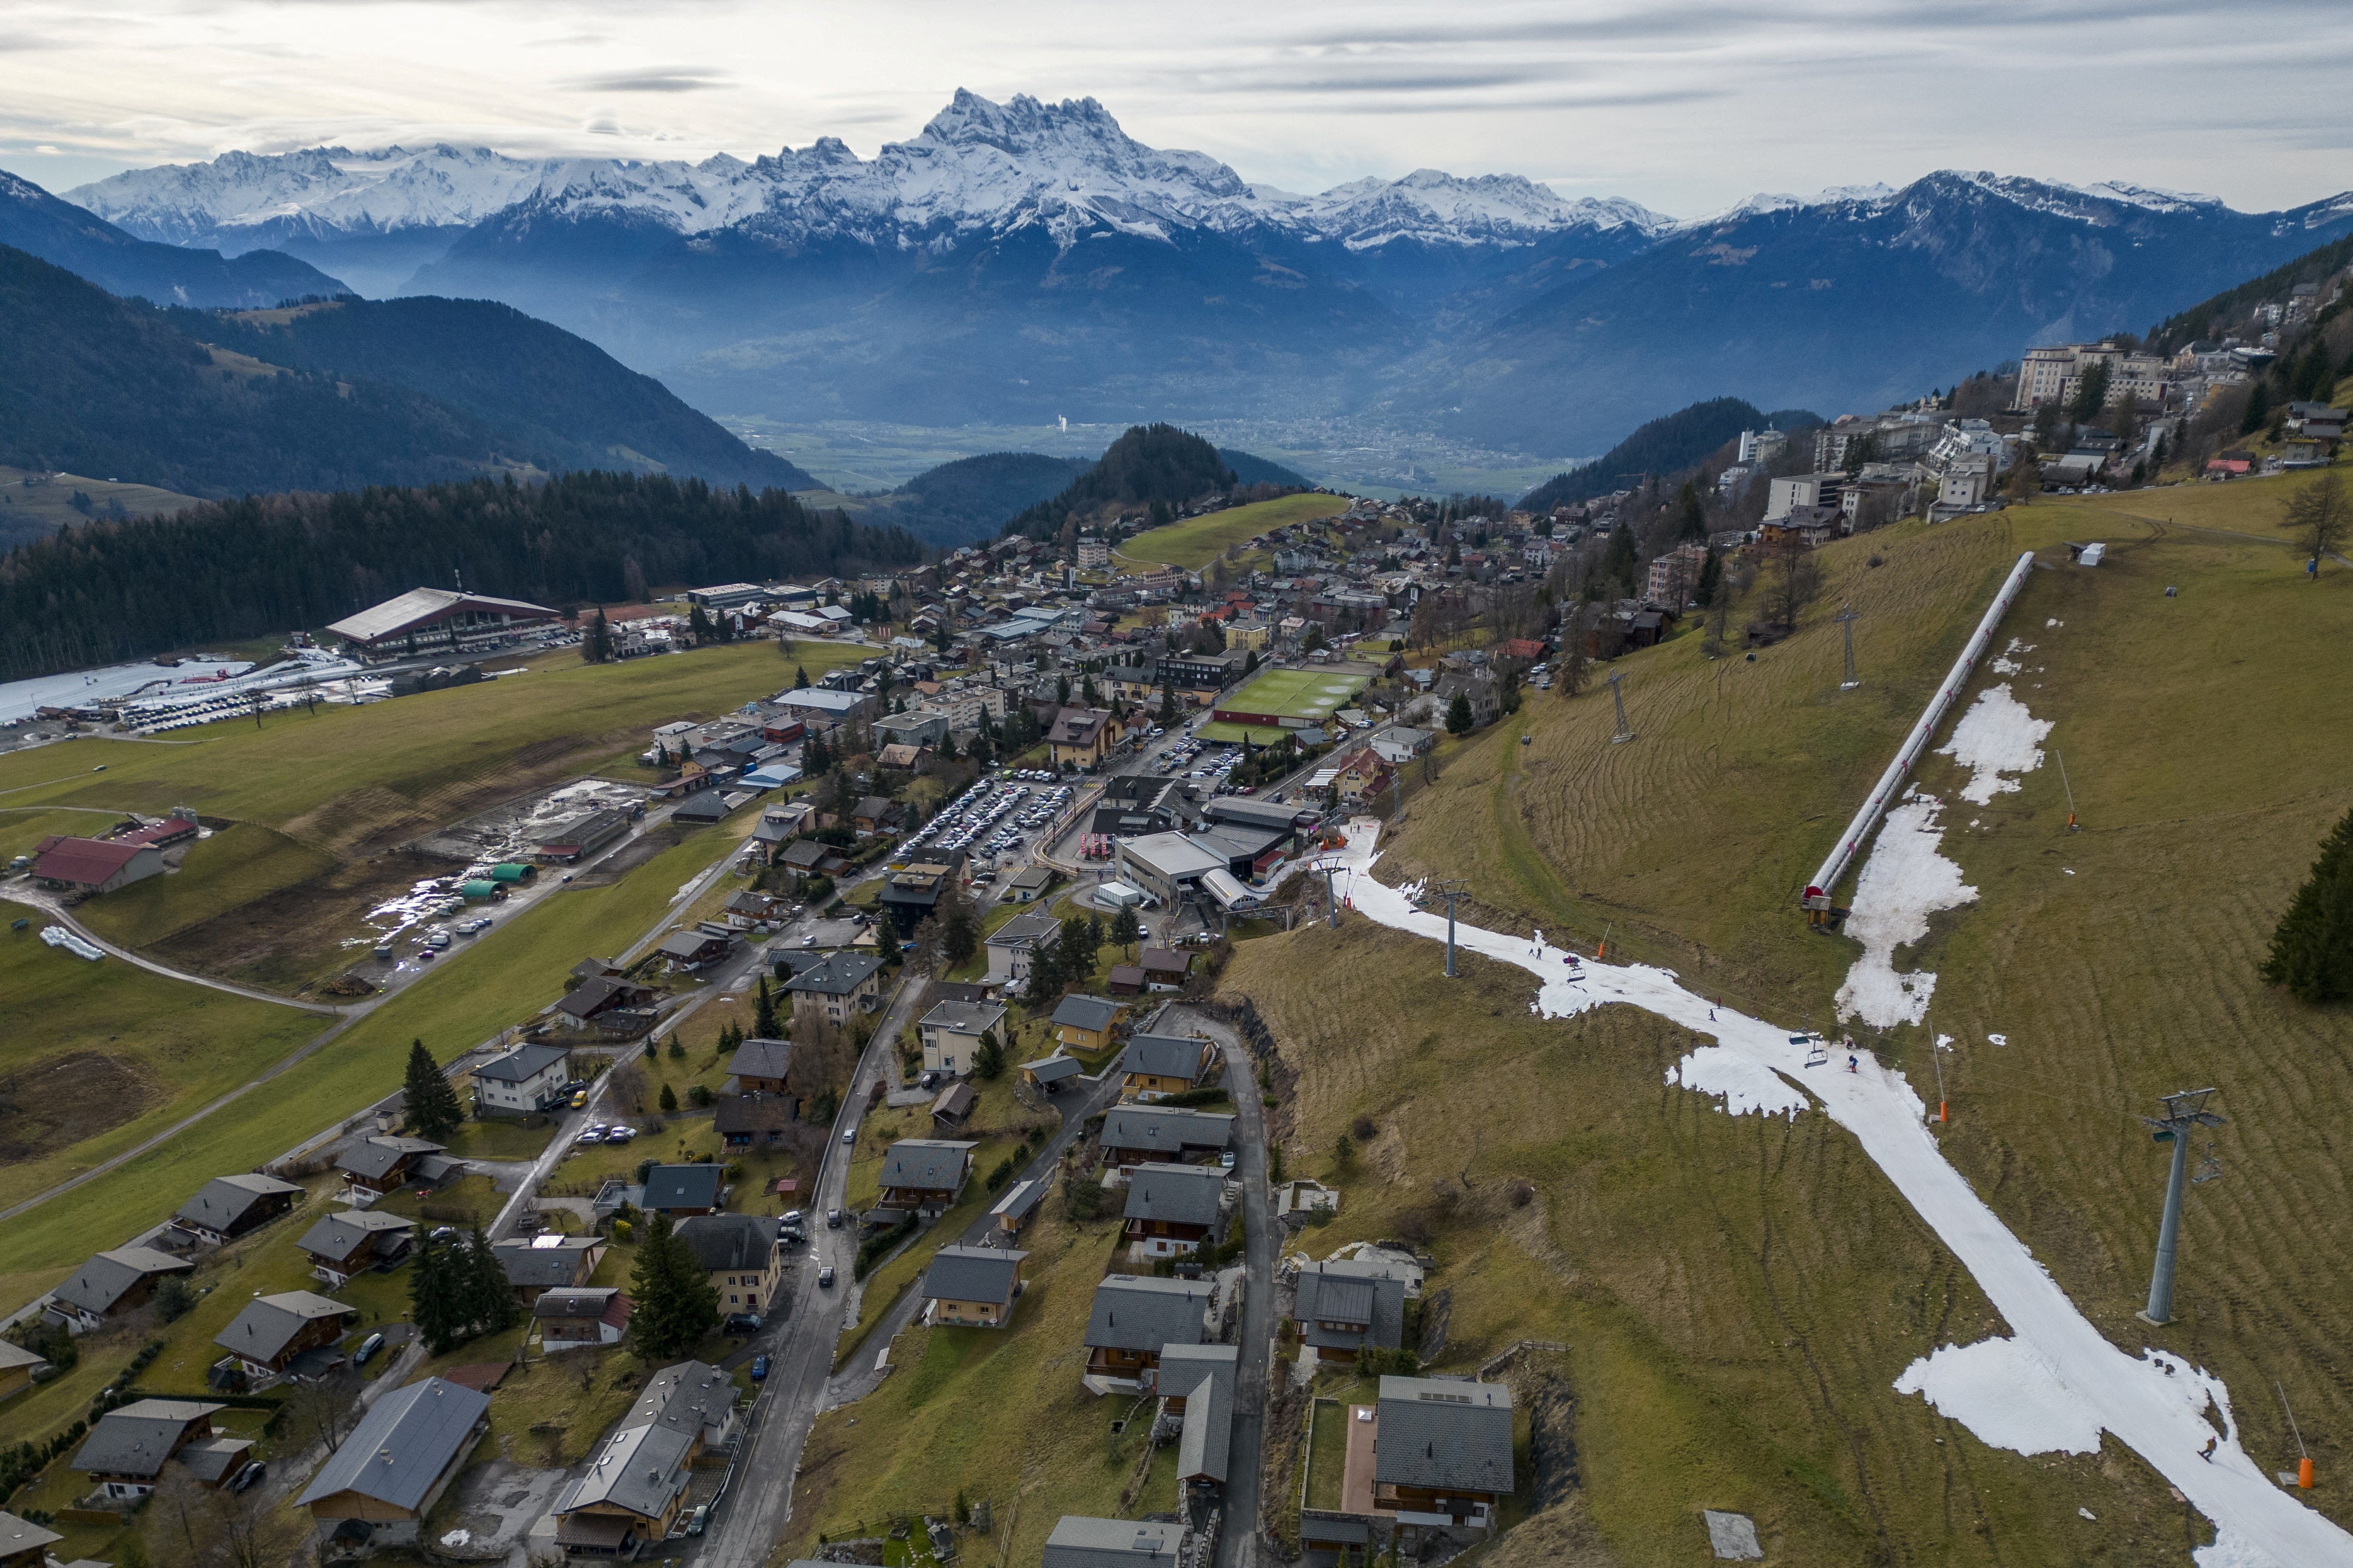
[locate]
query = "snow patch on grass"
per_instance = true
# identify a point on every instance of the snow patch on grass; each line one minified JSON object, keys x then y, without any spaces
{"x":2006,"y":1396}
{"x":1997,"y":736}
{"x":1745,"y":1085}
{"x":1904,"y":882}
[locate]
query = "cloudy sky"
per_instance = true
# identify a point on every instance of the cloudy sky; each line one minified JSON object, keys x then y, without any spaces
{"x":1684,"y":105}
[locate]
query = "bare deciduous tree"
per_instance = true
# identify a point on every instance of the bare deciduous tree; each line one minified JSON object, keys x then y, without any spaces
{"x":1793,"y":580}
{"x":2316,"y":515}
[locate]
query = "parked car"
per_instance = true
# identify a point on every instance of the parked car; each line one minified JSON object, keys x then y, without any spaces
{"x":833,"y":1219}
{"x":810,"y":941}
{"x":740,"y":1323}
{"x":368,"y":1347}
{"x":699,"y":1518}
{"x":825,"y":1277}
{"x":1227,"y":1160}
{"x":579,"y":1098}
{"x":759,"y":1369}
{"x":619,"y":1134}
{"x":590,"y":1135}
{"x":790,"y":1220}
{"x":247,"y":1477}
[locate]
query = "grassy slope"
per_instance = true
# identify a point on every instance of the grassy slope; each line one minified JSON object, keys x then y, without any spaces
{"x":510,"y":973}
{"x":1775,"y":1286}
{"x":995,"y":1414}
{"x":180,"y":1045}
{"x":1195,"y":541}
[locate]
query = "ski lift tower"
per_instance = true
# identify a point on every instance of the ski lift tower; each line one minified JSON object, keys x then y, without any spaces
{"x":1846,"y":618}
{"x":1455,"y":890}
{"x":1330,"y":865}
{"x":2184,"y":1113}
{"x":1625,"y":730}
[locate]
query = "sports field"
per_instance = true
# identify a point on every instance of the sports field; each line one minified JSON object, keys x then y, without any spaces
{"x":1198,"y":541}
{"x":1308,"y":696}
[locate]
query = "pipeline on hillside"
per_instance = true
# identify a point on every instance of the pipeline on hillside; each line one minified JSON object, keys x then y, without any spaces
{"x":1817,"y":899}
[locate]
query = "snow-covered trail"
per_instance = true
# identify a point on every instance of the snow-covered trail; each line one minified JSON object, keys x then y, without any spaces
{"x":2160,"y":1413}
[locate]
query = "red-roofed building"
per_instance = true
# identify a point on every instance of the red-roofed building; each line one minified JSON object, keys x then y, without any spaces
{"x":171,"y":830}
{"x":94,"y":865}
{"x":1526,"y":648}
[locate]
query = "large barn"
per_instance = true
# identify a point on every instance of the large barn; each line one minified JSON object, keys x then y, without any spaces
{"x":424,"y":622}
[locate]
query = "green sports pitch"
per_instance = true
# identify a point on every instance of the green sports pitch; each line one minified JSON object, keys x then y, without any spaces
{"x":1289,"y":697}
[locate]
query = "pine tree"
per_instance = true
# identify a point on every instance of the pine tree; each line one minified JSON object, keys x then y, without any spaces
{"x":668,"y":1100}
{"x":655,"y":1316}
{"x":1124,"y":928}
{"x":2312,"y":949}
{"x":800,"y":679}
{"x":489,"y":1303}
{"x":1692,"y":516}
{"x":1458,"y":720}
{"x":433,"y":1305}
{"x":764,"y":1013}
{"x":988,"y":1059}
{"x":433,"y":1111}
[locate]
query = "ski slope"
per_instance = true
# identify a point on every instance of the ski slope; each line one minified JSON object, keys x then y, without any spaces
{"x":2056,"y":1381}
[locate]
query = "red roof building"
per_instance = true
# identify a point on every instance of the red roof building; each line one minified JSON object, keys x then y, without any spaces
{"x":94,"y":865}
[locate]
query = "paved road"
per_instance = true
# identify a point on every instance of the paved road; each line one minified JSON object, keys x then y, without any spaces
{"x":24,"y":890}
{"x":1237,"y":1542}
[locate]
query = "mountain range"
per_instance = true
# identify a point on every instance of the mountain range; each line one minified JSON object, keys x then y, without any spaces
{"x":72,"y":237}
{"x":1020,"y":260}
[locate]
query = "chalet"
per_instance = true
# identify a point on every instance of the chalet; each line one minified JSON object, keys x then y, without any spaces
{"x":805,"y":857}
{"x":707,"y":807}
{"x":91,"y":866}
{"x":953,"y":1109}
{"x":1172,"y":1209}
{"x":910,"y":896}
{"x":534,"y":1265}
{"x":18,"y":1367}
{"x":1014,"y":1210}
{"x":973,"y":1286}
{"x":112,"y":1284}
{"x":348,"y":1243}
{"x":1442,"y":1450}
{"x":581,"y":1317}
{"x":386,"y":1478}
{"x":1343,"y":1306}
{"x":1081,"y":737}
{"x":739,"y":1251}
{"x":1136,"y":1134}
{"x":376,"y":1166}
{"x":227,"y":1206}
{"x":874,"y":814}
{"x":1364,"y":776}
{"x":923,"y":1175}
{"x":834,"y":991}
{"x":1027,"y":885}
{"x":635,"y":1488}
{"x":1134,"y":1317}
{"x":126,"y":1451}
{"x":952,"y":1033}
{"x":524,"y":1081}
{"x":1011,"y":946}
{"x":679,"y":1191}
{"x":762,"y":1067}
{"x":24,"y":1544}
{"x":599,"y":997}
{"x":1198,"y":1384}
{"x":747,"y":1121}
{"x":692,"y":949}
{"x":273,"y":1333}
{"x":1165,"y":968}
{"x":747,"y":909}
{"x":1124,"y":980}
{"x":1085,"y":1023}
{"x":1050,"y":1073}
{"x":1157,"y":1066}
{"x":1079,"y":1542}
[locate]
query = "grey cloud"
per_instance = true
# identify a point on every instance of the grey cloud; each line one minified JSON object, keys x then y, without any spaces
{"x":675,"y":79}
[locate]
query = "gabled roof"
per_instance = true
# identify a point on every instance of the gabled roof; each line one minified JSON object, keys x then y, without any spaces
{"x":1350,"y":1291}
{"x":136,"y":1439}
{"x":753,"y":1113}
{"x":964,"y":1017}
{"x":639,"y":1469}
{"x":1094,"y":1014}
{"x":1203,"y":1377}
{"x":1082,"y":1542}
{"x":840,"y":974}
{"x":579,"y":1301}
{"x":762,"y":1059}
{"x":270,"y":1323}
{"x":84,"y":860}
{"x":523,"y":1064}
{"x":223,"y":1201}
{"x":1180,"y":1194}
{"x":686,"y":1396}
{"x":1136,"y":1313}
{"x":683,"y":1187}
{"x":531,"y":1265}
{"x":420,"y":606}
{"x":1053,"y":1069}
{"x":338,"y":1235}
{"x":375,"y":1157}
{"x":19,"y":1536}
{"x":1025,"y":930}
{"x":1165,"y":1129}
{"x":926,"y":1163}
{"x":1167,"y":1056}
{"x":723,"y":1241}
{"x":1445,"y":1433}
{"x":583,"y":999}
{"x":103,"y":1280}
{"x":1165,"y":961}
{"x":972,"y":1274}
{"x":688,"y":944}
{"x":402,"y":1444}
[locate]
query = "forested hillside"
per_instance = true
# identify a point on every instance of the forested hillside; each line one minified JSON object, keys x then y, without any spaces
{"x":1672,"y":441}
{"x":244,"y":568}
{"x":89,"y":247}
{"x":1155,"y":467}
{"x":538,"y":389}
{"x":1250,"y":468}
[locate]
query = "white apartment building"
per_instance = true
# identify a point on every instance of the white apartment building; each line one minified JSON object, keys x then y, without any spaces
{"x":2056,"y":374}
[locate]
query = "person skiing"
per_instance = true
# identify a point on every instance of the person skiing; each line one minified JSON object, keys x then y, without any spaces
{"x":2207,"y":1453}
{"x":1537,"y":951}
{"x":1851,"y":1066}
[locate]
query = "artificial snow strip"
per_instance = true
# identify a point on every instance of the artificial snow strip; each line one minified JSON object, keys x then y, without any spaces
{"x":2152,"y":1404}
{"x":1904,"y":882}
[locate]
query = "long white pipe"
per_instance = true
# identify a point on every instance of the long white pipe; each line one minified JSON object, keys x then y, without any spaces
{"x":1850,"y":842}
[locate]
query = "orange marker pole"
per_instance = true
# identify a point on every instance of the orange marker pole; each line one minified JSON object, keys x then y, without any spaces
{"x":2303,"y":1472}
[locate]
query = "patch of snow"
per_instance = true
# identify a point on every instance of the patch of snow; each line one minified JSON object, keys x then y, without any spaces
{"x":2154,"y":1405}
{"x":1744,"y":1086}
{"x":2087,"y":1513}
{"x":2049,"y":623}
{"x":1998,"y":1039}
{"x":1904,"y":882}
{"x":458,"y":1538}
{"x":1994,"y":737}
{"x":2003,"y":663}
{"x":2007,"y":1397}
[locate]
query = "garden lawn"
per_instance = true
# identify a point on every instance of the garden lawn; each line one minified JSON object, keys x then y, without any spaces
{"x":1195,"y":541}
